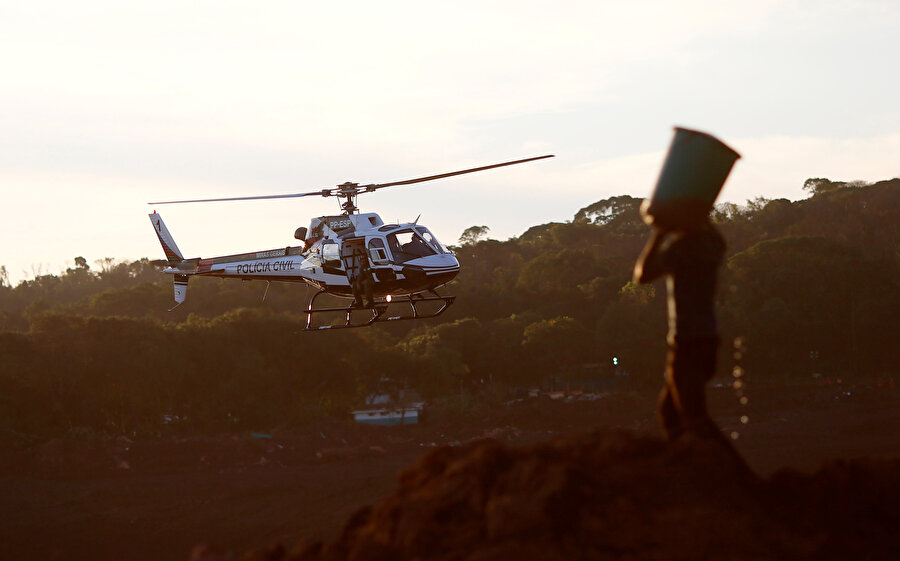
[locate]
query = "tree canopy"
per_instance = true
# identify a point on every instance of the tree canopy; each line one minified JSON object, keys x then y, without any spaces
{"x":811,"y":285}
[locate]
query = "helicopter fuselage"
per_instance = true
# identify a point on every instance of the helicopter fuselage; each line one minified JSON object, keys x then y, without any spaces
{"x":404,"y":259}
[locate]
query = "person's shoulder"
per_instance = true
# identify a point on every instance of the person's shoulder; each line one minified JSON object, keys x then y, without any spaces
{"x":708,"y":235}
{"x":687,"y":247}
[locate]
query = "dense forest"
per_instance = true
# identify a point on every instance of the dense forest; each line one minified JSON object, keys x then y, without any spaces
{"x":810,"y":287}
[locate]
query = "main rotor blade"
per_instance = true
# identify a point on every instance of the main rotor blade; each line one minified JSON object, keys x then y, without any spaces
{"x":324,"y":192}
{"x":337,"y":192}
{"x":450,"y":174}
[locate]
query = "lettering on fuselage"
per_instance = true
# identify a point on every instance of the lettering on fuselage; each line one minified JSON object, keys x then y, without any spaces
{"x":272,"y":253}
{"x":338,"y":224}
{"x":269,"y":267}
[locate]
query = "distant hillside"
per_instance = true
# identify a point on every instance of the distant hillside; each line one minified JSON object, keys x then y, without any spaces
{"x":811,"y":287}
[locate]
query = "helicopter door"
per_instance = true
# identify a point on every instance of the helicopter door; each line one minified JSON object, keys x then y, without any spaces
{"x":380,"y":260}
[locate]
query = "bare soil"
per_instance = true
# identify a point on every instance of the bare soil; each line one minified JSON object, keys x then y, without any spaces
{"x":156,"y":499}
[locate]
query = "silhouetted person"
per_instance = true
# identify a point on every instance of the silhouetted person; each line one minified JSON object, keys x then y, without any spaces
{"x":363,"y":283}
{"x":689,"y":260}
{"x":367,"y":284}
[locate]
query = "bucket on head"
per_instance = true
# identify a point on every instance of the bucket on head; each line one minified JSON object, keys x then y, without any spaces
{"x":695,"y":169}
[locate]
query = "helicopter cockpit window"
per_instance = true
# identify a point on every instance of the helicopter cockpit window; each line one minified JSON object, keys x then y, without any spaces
{"x":406,"y":245}
{"x":377,"y":252}
{"x":432,"y":241}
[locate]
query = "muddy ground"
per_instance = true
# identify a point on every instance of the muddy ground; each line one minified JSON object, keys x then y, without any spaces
{"x":155,"y":499}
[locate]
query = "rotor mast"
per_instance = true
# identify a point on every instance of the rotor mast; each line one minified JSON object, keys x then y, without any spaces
{"x":349,"y":190}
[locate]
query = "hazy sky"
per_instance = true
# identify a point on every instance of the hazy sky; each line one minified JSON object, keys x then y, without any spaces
{"x":107,"y":105}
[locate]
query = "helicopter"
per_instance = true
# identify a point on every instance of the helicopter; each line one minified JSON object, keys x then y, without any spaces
{"x":351,"y":255}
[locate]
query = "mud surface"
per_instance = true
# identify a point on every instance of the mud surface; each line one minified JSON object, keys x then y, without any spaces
{"x":584,"y":479}
{"x":613,"y":495}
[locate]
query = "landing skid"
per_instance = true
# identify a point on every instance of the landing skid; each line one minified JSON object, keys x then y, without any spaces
{"x":413,"y":300}
{"x":377,"y":312}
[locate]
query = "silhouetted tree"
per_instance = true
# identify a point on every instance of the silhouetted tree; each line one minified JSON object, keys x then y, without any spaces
{"x":473,"y":234}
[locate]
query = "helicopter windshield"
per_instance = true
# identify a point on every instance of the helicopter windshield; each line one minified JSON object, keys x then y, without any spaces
{"x":406,"y":245}
{"x":432,"y":241}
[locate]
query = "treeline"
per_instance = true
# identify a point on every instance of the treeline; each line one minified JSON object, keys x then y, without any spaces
{"x":811,"y":286}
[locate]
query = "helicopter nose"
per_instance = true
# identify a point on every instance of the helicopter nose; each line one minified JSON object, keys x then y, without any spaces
{"x":444,"y":263}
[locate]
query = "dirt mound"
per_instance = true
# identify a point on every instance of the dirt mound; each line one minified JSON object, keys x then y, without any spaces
{"x":614,"y":495}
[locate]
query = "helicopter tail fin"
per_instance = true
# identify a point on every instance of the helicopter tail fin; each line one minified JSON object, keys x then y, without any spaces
{"x":181,"y":284}
{"x":173,"y":254}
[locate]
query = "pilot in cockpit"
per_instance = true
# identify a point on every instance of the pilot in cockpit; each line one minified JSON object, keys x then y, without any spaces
{"x":416,"y":246}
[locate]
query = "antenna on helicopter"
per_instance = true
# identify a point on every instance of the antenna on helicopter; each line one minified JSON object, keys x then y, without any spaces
{"x":350,"y":190}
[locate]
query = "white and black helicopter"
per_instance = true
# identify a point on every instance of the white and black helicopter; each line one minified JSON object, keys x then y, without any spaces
{"x":350,"y":255}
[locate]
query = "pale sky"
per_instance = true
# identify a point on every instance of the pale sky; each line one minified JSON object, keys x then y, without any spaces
{"x":107,"y":105}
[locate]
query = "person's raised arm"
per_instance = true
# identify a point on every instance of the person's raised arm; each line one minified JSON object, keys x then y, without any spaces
{"x":648,"y":267}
